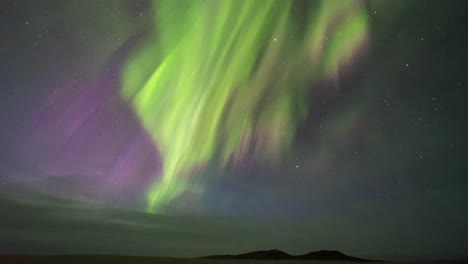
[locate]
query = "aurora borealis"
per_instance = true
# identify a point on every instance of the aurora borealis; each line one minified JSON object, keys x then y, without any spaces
{"x":205,"y":96}
{"x":171,"y":125}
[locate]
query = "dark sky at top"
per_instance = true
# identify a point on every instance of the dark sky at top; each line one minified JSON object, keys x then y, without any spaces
{"x":376,"y":167}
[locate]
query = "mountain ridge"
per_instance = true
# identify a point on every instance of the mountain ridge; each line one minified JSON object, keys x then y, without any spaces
{"x":276,"y":254}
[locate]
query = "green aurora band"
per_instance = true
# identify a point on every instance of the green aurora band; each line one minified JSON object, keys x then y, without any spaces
{"x":217,"y":81}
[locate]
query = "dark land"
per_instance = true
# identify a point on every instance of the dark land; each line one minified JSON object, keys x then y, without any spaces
{"x":276,"y":254}
{"x":256,"y":257}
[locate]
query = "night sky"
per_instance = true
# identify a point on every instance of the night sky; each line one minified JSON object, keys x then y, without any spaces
{"x":188,"y":128}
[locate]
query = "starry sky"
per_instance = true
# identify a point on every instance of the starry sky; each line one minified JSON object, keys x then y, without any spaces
{"x":188,"y":128}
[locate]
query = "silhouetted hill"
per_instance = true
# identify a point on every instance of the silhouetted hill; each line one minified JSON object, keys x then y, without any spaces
{"x":329,"y":255}
{"x":263,"y":254}
{"x":276,"y":254}
{"x":266,"y":254}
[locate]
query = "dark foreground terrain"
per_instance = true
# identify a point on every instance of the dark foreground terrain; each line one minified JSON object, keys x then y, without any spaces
{"x":275,"y":254}
{"x":70,"y":259}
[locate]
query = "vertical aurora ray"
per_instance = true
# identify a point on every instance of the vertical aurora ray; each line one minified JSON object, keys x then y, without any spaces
{"x":223,"y":80}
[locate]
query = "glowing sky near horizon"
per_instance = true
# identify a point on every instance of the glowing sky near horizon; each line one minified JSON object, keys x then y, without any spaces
{"x":221,"y":81}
